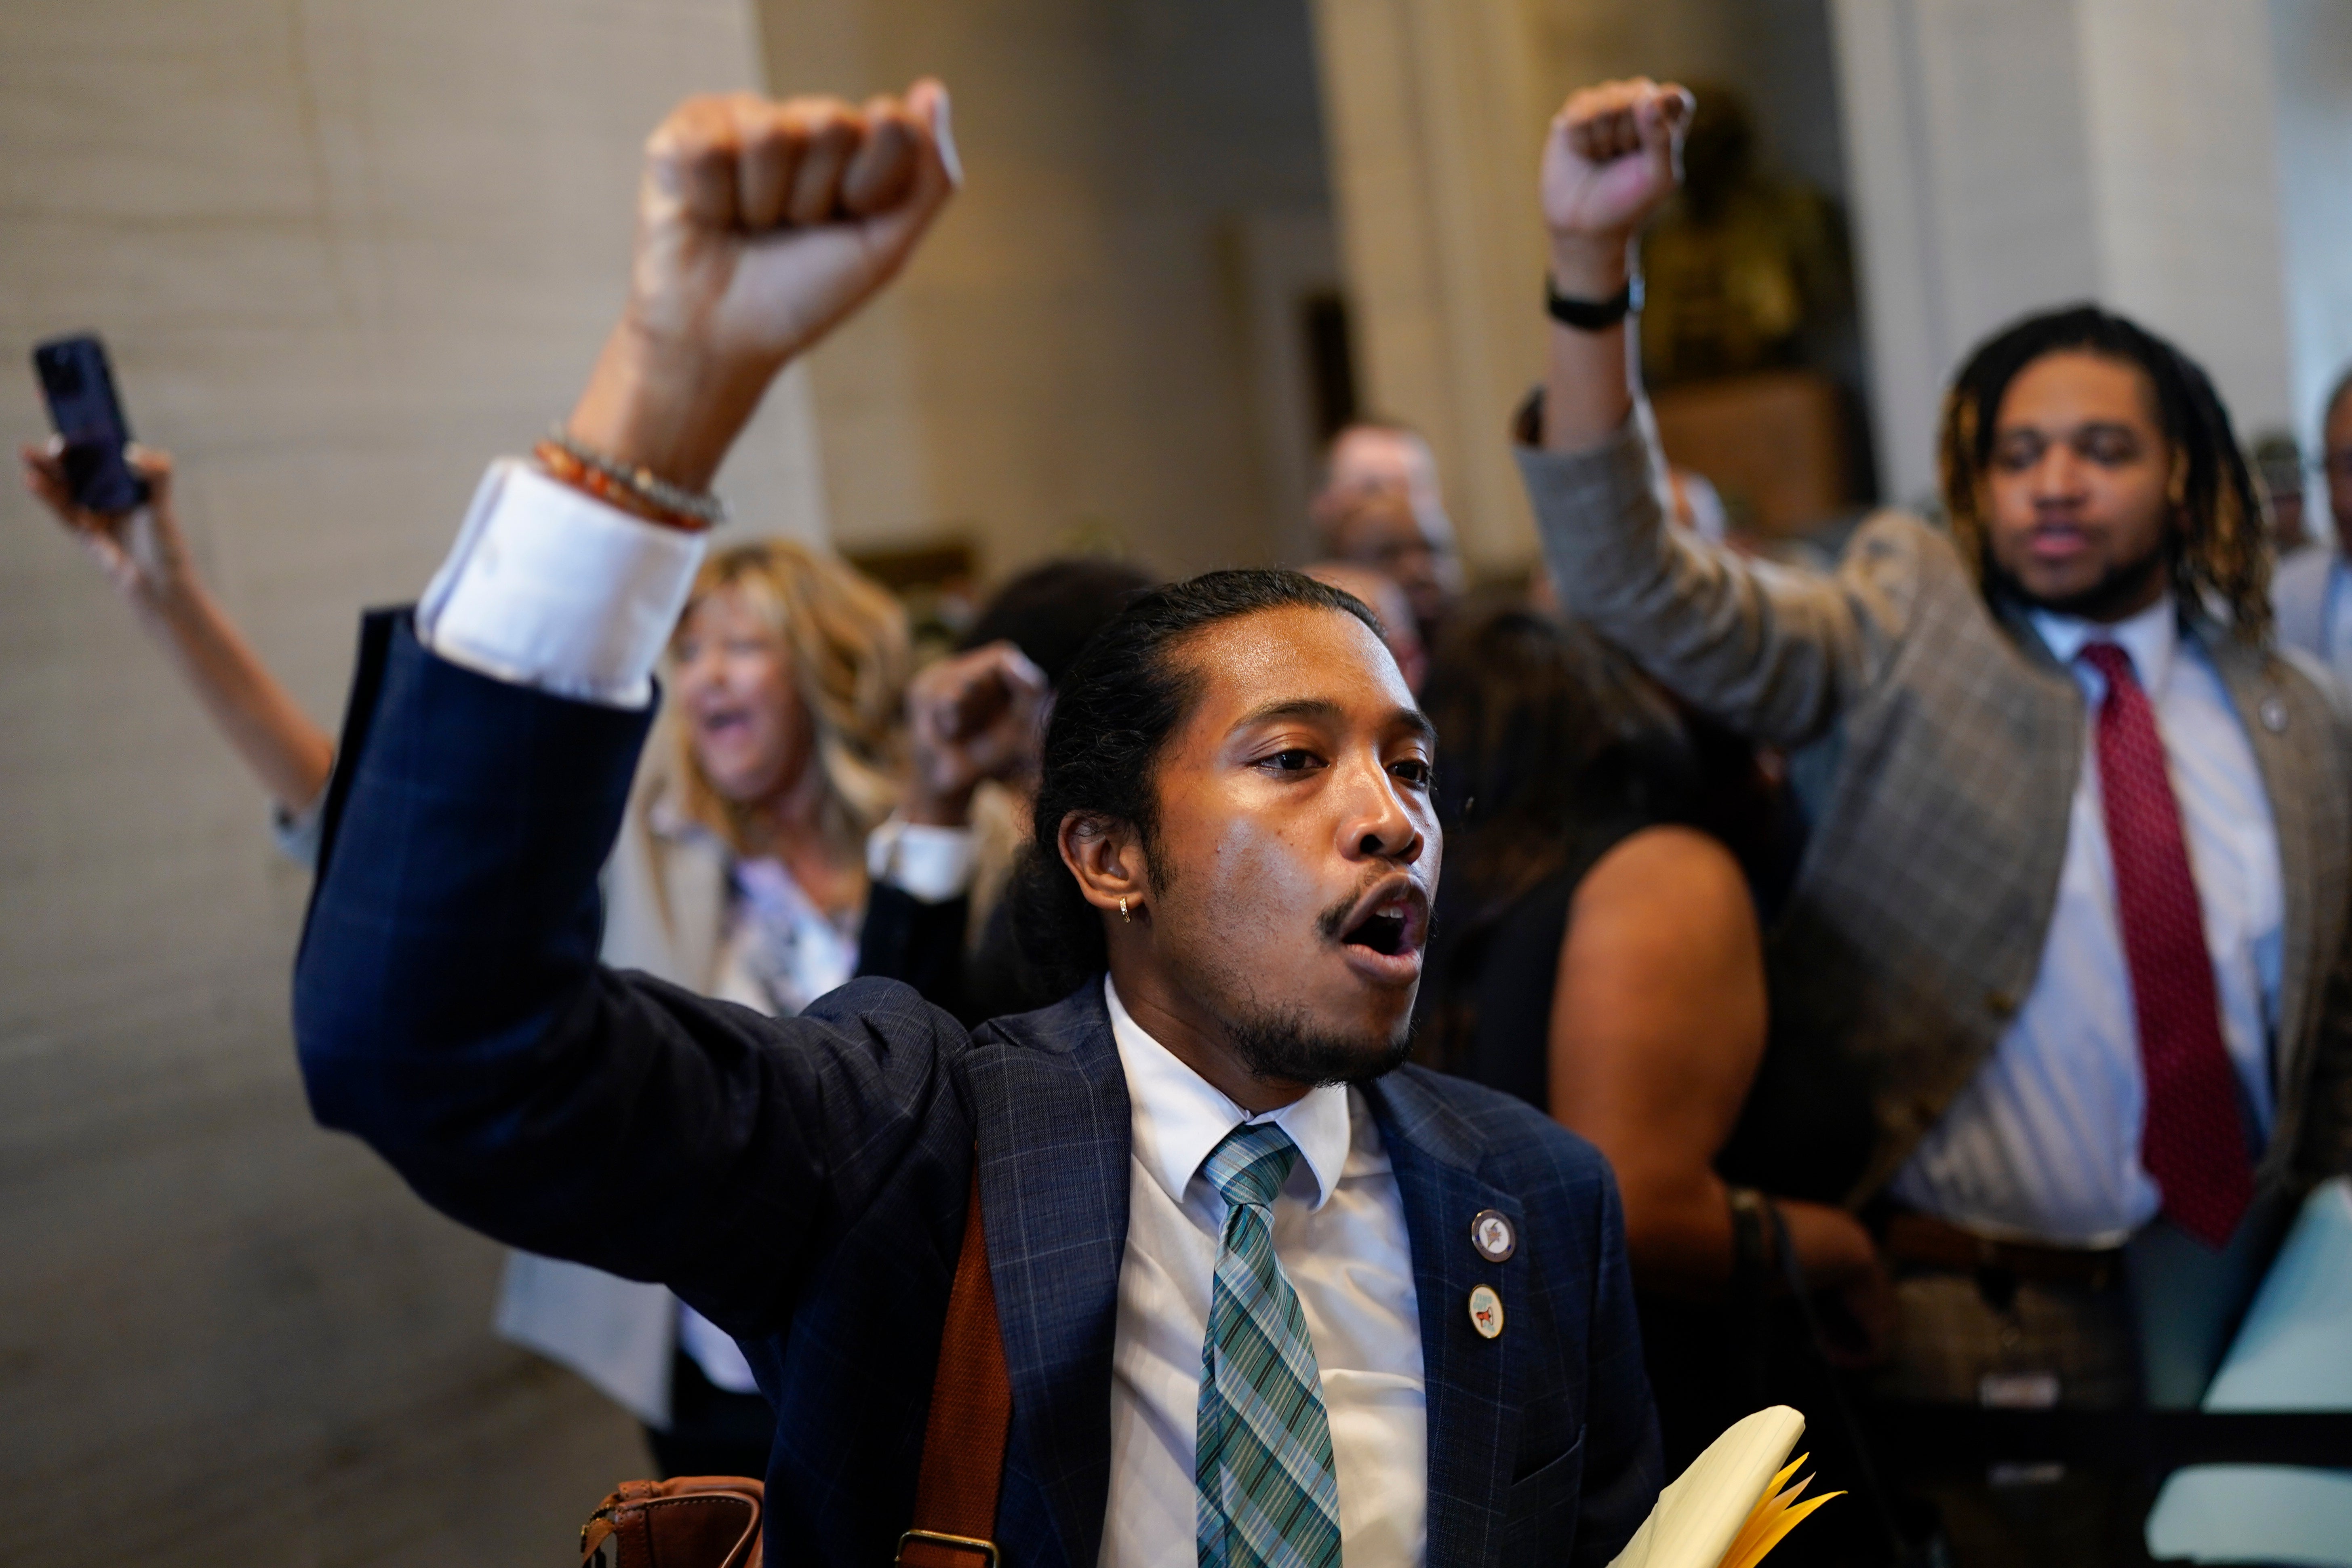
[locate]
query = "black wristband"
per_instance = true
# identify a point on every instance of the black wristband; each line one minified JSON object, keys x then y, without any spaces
{"x":1594,"y":315}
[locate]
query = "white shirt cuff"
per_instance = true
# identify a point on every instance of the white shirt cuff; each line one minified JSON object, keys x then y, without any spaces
{"x":934,"y":864}
{"x":549,"y":587}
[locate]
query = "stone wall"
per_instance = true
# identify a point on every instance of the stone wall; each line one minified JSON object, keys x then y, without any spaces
{"x":1070,"y":362}
{"x":344,"y":251}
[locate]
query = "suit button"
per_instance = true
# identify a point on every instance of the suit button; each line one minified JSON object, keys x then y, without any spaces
{"x":2000,"y":1004}
{"x":2274,"y":714}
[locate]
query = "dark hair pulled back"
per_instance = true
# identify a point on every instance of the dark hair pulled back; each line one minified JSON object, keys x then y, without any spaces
{"x":1123,"y":701}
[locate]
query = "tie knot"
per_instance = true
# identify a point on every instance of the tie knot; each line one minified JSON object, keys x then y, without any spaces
{"x":2110,"y":661}
{"x":1250,"y":1165}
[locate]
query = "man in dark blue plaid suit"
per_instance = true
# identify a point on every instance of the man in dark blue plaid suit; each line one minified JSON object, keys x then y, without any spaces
{"x":1263,"y":1292}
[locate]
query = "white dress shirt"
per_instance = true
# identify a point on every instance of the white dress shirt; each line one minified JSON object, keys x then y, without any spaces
{"x":1339,"y":1233}
{"x":549,"y":587}
{"x":2043,"y":1144}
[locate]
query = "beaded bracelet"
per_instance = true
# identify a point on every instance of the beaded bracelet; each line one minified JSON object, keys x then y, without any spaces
{"x":636,"y":490}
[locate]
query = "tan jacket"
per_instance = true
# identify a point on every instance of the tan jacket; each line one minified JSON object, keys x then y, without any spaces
{"x":665,"y":888}
{"x":1954,"y":740}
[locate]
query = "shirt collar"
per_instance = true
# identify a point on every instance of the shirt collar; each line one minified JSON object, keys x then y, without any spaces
{"x":2149,"y":638}
{"x":1179,"y":1117}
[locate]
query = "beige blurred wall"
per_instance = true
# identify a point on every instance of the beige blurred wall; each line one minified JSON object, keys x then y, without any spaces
{"x":1435,"y":113}
{"x":345,"y":251}
{"x":1074,"y":360}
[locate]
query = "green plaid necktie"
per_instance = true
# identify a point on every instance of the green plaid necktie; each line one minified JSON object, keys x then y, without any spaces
{"x":1268,"y":1497}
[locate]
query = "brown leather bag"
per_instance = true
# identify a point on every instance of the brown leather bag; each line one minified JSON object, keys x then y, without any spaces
{"x":713,"y":1521}
{"x":689,"y":1521}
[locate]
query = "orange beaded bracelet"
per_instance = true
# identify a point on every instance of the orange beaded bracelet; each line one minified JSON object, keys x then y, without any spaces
{"x":565,"y":467}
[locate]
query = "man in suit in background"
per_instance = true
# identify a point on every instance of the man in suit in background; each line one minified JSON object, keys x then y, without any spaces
{"x":2313,"y":590}
{"x":2074,"y":910}
{"x":1261,"y":1289}
{"x":1380,"y":506}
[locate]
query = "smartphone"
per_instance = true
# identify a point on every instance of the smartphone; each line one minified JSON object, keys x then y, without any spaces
{"x":79,"y":387}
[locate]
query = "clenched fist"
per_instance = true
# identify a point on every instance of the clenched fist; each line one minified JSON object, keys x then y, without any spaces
{"x":760,"y":225}
{"x":974,"y":716}
{"x":1611,"y":159}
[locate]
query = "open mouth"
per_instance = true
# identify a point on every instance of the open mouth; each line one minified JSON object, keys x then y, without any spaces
{"x":1382,"y":931}
{"x":1390,"y":920}
{"x":723,"y":722}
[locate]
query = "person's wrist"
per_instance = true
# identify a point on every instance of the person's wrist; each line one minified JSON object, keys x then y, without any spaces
{"x":665,"y":405}
{"x":176,"y":598}
{"x":1591,"y":267}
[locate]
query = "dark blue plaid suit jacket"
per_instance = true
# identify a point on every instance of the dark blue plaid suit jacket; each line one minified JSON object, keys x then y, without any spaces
{"x":802,"y":1180}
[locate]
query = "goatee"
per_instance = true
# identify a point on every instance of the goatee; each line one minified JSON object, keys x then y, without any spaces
{"x":2120,"y":592}
{"x":1288,"y":1048}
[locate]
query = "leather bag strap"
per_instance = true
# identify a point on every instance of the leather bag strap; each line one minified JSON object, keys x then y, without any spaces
{"x":970,"y":1419}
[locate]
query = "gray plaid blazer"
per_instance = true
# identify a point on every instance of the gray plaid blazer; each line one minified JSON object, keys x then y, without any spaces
{"x":1952,"y":741}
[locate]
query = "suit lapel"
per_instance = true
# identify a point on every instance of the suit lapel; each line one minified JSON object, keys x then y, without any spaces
{"x":1054,"y":1135}
{"x":1474,"y":1419}
{"x":2282,"y":732}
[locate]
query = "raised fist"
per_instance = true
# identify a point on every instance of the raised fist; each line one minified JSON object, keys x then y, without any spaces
{"x":1611,"y":159}
{"x":974,"y":716}
{"x":759,"y":226}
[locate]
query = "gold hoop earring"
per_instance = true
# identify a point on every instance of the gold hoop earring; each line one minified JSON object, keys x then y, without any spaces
{"x":1122,"y":909}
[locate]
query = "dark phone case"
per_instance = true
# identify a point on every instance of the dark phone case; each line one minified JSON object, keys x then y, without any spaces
{"x":79,"y":387}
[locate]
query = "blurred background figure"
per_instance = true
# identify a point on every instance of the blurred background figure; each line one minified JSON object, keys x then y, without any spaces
{"x":1399,"y":625}
{"x":2312,"y":587}
{"x":2277,"y":459}
{"x":976,"y":721}
{"x":1380,"y":506}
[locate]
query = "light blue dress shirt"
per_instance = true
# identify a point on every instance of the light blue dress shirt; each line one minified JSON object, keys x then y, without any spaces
{"x":2336,"y":624}
{"x":2043,"y":1144}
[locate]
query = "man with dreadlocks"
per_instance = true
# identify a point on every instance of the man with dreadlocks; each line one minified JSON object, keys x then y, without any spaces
{"x":2073,"y":914}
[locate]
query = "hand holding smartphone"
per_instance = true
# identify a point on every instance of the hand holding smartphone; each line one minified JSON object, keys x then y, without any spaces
{"x":79,"y":386}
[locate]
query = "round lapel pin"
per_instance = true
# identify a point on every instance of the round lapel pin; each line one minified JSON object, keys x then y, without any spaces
{"x":1487,"y":1312}
{"x":1492,"y":1234}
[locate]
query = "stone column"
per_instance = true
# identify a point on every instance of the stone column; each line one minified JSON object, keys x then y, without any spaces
{"x":1434,"y":123}
{"x":2009,"y":155}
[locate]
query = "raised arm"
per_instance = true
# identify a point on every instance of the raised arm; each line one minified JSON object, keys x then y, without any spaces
{"x":974,"y":716}
{"x":1771,"y":651}
{"x":448,"y":1005}
{"x":146,"y":557}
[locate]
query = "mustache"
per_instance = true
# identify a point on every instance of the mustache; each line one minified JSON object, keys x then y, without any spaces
{"x":1333,"y":923}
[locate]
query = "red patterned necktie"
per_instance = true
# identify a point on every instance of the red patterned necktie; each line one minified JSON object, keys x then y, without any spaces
{"x":2193,"y":1142}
